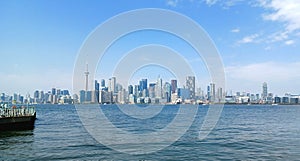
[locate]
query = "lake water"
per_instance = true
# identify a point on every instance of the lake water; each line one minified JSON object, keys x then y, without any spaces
{"x":242,"y":133}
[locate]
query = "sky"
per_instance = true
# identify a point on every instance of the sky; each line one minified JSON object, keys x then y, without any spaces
{"x":257,"y":40}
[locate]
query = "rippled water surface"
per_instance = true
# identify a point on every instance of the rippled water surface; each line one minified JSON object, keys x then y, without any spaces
{"x":242,"y":133}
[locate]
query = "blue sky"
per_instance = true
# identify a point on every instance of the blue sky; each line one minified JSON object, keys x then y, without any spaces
{"x":258,"y":40}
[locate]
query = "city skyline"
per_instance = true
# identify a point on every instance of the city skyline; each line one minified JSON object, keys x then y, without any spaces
{"x":258,"y":41}
{"x":144,"y":91}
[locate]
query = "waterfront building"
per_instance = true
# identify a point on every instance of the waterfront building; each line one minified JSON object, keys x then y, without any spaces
{"x":82,"y":96}
{"x":285,"y":100}
{"x":277,"y":99}
{"x":131,"y":99}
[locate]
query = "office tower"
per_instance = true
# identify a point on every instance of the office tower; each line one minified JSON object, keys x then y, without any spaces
{"x":53,"y":91}
{"x":66,"y":92}
{"x":208,"y":93}
{"x":190,"y":85}
{"x":136,"y":91}
{"x":173,"y":85}
{"x":97,"y":86}
{"x":167,"y":91}
{"x":130,"y":89}
{"x":158,"y":89}
{"x":58,"y":92}
{"x":112,"y":84}
{"x":96,"y":94}
{"x":212,"y":92}
{"x":264,"y":91}
{"x":152,"y":90}
{"x":36,"y":94}
{"x":102,"y":83}
{"x":220,"y":94}
{"x":143,"y":84}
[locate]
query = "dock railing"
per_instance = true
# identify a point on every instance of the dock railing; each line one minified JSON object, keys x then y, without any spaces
{"x":16,"y":110}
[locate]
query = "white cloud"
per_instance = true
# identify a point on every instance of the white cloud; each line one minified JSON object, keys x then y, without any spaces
{"x":278,"y":36}
{"x":286,"y":12}
{"x":172,"y":3}
{"x":236,"y":30}
{"x":289,"y":42}
{"x":211,"y":2}
{"x":249,"y":39}
{"x":283,"y":11}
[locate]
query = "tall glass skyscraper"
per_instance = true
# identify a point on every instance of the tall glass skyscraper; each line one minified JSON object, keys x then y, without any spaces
{"x":173,"y":85}
{"x":264,"y":94}
{"x":190,"y":85}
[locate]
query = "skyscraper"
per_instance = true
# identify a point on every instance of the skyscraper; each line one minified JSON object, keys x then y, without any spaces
{"x":208,"y":93}
{"x":190,"y":85}
{"x":158,"y":87}
{"x":97,"y":88}
{"x":102,"y":83}
{"x":152,"y":90}
{"x":264,"y":91}
{"x":212,"y":92}
{"x":130,"y":89}
{"x":113,"y":83}
{"x":53,"y":91}
{"x":143,"y":84}
{"x":173,"y":85}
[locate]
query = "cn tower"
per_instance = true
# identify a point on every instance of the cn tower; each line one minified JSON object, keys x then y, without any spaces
{"x":86,"y":73}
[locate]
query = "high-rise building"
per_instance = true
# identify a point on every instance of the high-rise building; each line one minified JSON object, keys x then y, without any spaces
{"x":136,"y":91}
{"x":102,"y":83}
{"x":208,"y":93}
{"x":220,"y":96}
{"x":143,"y":84}
{"x":96,"y":94}
{"x":53,"y":91}
{"x":264,"y":91}
{"x":212,"y":92}
{"x":173,"y":85}
{"x":112,"y":85}
{"x":158,"y":88}
{"x":190,"y":85}
{"x":167,"y":91}
{"x":130,"y":89}
{"x":152,"y":90}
